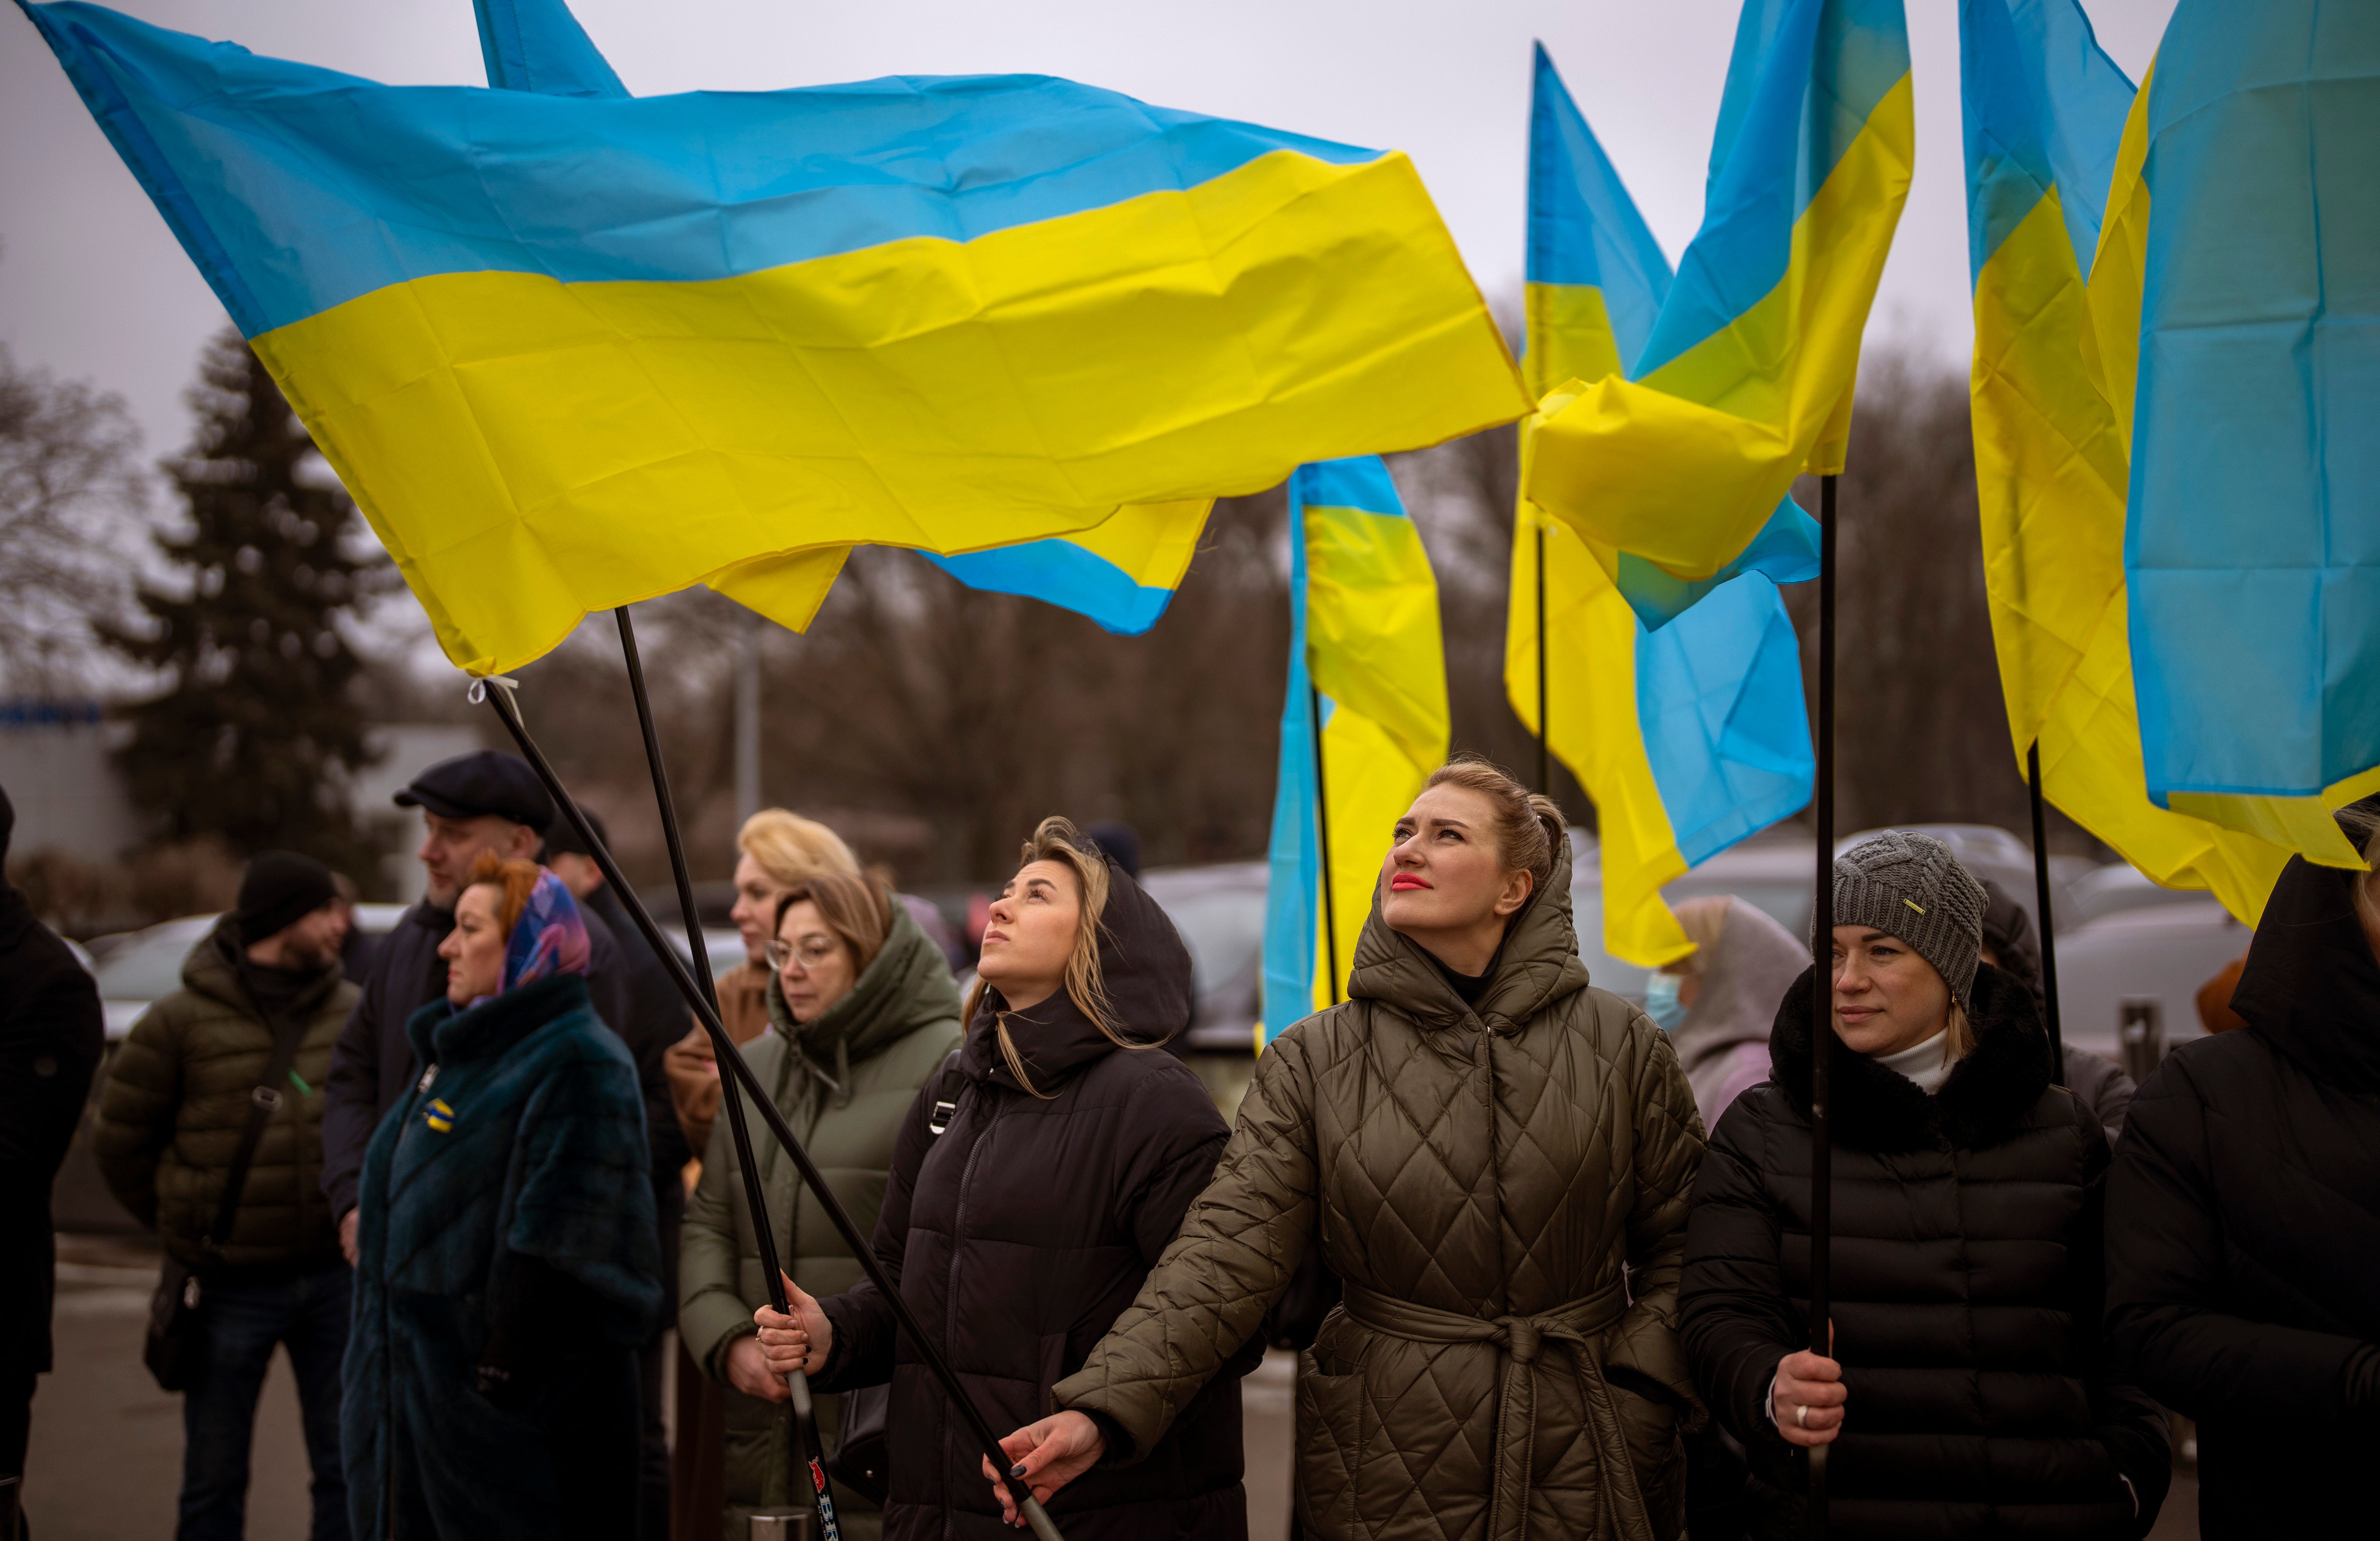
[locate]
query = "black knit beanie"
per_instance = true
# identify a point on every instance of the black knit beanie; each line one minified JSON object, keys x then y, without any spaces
{"x":279,"y":888}
{"x":1909,"y":885}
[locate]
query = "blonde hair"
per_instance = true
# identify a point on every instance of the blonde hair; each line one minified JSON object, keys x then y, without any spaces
{"x":1704,"y":921}
{"x":1056,"y":839}
{"x":792,"y":849}
{"x":1528,"y":825}
{"x":1958,"y":1034}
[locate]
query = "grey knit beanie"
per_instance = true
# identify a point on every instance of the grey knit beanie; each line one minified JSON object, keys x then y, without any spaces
{"x":1910,"y":886}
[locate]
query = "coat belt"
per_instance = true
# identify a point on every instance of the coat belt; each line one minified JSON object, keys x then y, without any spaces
{"x":1522,"y":1341}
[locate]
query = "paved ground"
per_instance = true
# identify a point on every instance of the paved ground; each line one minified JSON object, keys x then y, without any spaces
{"x":107,"y":1445}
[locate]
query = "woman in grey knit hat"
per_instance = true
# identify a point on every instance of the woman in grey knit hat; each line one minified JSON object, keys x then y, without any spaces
{"x":1967,"y":1392}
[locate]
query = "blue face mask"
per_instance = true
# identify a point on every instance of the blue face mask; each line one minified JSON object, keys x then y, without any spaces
{"x":1661,"y":1001}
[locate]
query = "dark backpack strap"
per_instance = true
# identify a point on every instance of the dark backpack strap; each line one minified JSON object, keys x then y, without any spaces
{"x":947,"y":1086}
{"x":263,"y":1101}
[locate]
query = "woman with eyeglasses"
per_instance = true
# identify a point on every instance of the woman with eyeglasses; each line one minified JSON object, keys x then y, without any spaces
{"x":862,"y":1012}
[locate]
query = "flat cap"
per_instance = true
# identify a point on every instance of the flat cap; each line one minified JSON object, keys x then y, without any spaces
{"x":481,"y":782}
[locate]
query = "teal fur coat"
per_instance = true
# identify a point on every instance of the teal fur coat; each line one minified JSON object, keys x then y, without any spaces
{"x":506,"y":1192}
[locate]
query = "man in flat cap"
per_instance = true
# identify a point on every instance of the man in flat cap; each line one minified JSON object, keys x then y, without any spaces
{"x":221,"y":1083}
{"x":482,"y":801}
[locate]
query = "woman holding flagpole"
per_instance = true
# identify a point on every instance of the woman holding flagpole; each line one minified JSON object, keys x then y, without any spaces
{"x":1968,"y":1392}
{"x":1026,"y":1203}
{"x":1496,"y":1158}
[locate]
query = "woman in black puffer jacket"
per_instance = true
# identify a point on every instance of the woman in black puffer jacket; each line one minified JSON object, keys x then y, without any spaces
{"x":2245,"y":1221}
{"x":1968,"y":1394}
{"x":1025,"y":1228}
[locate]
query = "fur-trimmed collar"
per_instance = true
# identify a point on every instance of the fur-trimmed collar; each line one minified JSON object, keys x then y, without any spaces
{"x":1877,"y":1110}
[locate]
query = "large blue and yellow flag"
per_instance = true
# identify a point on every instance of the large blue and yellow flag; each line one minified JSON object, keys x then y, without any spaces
{"x":2252,"y":545}
{"x":1595,"y":283}
{"x":1687,"y":738}
{"x":569,"y":352}
{"x":2054,"y":194}
{"x":1745,"y":381}
{"x":1121,"y":572}
{"x":1690,"y":736}
{"x":1367,"y":662}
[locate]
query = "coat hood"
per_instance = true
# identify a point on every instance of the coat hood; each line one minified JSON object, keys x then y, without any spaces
{"x":906,"y":987}
{"x":1875,"y":1109}
{"x":1536,"y":965}
{"x":1743,"y":983}
{"x":2310,"y":988}
{"x":212,"y":969}
{"x":1146,"y":969}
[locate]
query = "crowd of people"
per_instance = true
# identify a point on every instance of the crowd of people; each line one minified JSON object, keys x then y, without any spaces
{"x":1564,"y":1240}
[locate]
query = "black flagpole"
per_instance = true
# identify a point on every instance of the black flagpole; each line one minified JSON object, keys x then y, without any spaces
{"x":2049,"y":925}
{"x":1322,"y":838}
{"x":498,"y":693}
{"x":1544,"y":751}
{"x":807,"y":1446}
{"x":1822,"y":987}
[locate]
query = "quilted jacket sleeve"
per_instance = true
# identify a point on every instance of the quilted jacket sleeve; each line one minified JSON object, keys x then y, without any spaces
{"x":1669,"y":1153}
{"x":1736,"y":1322}
{"x":136,"y":1109}
{"x":1242,"y":1241}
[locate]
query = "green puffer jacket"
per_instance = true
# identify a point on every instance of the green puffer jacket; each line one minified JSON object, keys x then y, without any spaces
{"x":1479,"y":1178}
{"x":178,"y":1098}
{"x":845,"y":1083}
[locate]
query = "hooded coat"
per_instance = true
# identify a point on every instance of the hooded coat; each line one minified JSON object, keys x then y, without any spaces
{"x":1490,"y":1181}
{"x":1723,"y":1043}
{"x":1022,"y":1231}
{"x":1965,"y":1293}
{"x":178,"y":1098}
{"x":506,"y":1194}
{"x":845,"y":1082}
{"x":2243,"y":1225}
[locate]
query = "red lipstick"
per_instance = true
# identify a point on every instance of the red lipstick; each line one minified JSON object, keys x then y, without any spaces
{"x":1404,"y":881}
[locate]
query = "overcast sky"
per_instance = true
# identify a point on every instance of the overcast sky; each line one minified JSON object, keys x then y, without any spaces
{"x":92,"y":285}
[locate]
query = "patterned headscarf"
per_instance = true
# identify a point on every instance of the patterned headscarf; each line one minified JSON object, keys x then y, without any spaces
{"x":549,"y":938}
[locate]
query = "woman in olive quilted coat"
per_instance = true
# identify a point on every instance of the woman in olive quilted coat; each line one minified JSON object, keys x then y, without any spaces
{"x":1480,"y":1143}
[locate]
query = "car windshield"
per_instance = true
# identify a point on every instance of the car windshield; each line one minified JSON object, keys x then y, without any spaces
{"x":149,"y":964}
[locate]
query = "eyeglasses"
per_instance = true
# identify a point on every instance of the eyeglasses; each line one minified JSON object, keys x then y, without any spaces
{"x":812,"y":953}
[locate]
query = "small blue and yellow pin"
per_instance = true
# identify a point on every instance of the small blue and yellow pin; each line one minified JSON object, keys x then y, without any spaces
{"x":440,"y":1117}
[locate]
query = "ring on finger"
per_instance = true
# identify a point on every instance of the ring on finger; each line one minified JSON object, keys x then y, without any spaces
{"x":1801,"y":1416}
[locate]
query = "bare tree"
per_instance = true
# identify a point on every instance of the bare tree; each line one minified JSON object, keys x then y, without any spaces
{"x":69,"y":488}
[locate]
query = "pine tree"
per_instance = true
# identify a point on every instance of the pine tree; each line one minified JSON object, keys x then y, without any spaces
{"x":259,"y":720}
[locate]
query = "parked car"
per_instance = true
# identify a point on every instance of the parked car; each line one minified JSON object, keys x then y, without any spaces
{"x":2142,"y":966}
{"x":1219,"y":910}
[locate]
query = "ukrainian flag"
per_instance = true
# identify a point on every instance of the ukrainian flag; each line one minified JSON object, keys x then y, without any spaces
{"x":1745,"y":381}
{"x":1368,"y":659}
{"x":1692,"y":736}
{"x":570,"y":352}
{"x":1688,"y":738}
{"x":1121,"y":572}
{"x":2253,"y":547}
{"x":2053,"y":192}
{"x":1596,"y":280}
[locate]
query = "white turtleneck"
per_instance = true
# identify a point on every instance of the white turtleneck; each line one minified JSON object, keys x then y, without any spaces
{"x":1927,"y":1063}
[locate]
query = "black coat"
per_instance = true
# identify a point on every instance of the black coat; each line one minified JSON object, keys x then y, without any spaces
{"x":2244,"y":1226}
{"x":1966,"y":1292}
{"x":51,"y":1038}
{"x":372,"y":1065}
{"x":1020,"y":1233}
